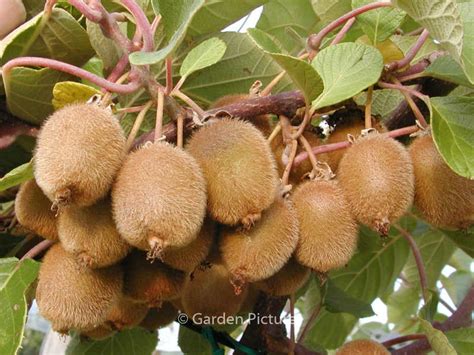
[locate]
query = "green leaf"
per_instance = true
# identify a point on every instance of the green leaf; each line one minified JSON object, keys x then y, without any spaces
{"x":346,"y":70}
{"x":467,"y":55}
{"x":402,"y":307}
{"x":463,"y":239}
{"x":132,"y":341}
{"x":329,"y":10}
{"x":215,"y":15}
{"x":438,"y":341}
{"x":337,"y":301}
{"x":457,"y":285}
{"x":204,"y":55}
{"x":430,"y":308}
{"x":462,"y":340}
{"x":453,"y":129}
{"x":379,"y":24}
{"x":106,"y":48}
{"x":15,"y":279}
{"x":279,"y":16}
{"x":407,"y":42}
{"x":446,"y":68}
{"x":265,"y":41}
{"x":441,"y":18}
{"x":384,"y":102}
{"x":17,"y":176}
{"x":176,"y":17}
{"x":69,"y":92}
{"x":191,"y":342}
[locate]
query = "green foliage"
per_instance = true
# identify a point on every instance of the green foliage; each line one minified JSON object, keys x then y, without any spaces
{"x":68,"y":92}
{"x":191,"y":342}
{"x":337,"y":301}
{"x":17,"y":176}
{"x":462,"y":340}
{"x":206,"y":54}
{"x":438,"y":341}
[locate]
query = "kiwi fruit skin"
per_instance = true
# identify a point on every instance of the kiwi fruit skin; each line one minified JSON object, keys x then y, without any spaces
{"x":376,"y":175}
{"x":33,"y":211}
{"x":101,"y":332}
{"x":286,"y":281}
{"x":257,"y":254}
{"x":328,"y":232}
{"x":189,"y":257}
{"x":199,"y":294}
{"x":239,"y":168}
{"x":151,"y":282}
{"x":71,"y":296}
{"x":126,"y":313}
{"x":261,"y":122}
{"x":79,"y":151}
{"x":159,"y":317}
{"x":444,"y":198}
{"x":159,"y":198}
{"x":362,"y":347}
{"x":89,"y":234}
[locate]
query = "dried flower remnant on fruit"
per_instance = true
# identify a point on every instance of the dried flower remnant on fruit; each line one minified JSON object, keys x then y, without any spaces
{"x":362,"y":347}
{"x":239,"y":168}
{"x":79,"y":151}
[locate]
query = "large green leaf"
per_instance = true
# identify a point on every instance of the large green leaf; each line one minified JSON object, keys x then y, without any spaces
{"x":467,"y":56}
{"x":338,"y":301}
{"x":217,"y":14}
{"x":379,"y":24}
{"x":176,"y":17}
{"x":402,"y":307}
{"x":17,"y":176}
{"x":453,"y":129}
{"x":106,"y":48}
{"x":446,"y":68}
{"x":438,"y":341}
{"x":265,"y":41}
{"x":405,"y":43}
{"x":462,"y":340}
{"x":281,"y":16}
{"x":15,"y":279}
{"x":132,"y":341}
{"x":346,"y":70}
{"x":191,"y":342}
{"x":328,"y":10}
{"x":384,"y":102}
{"x":242,"y":64}
{"x":204,"y":55}
{"x":457,"y":285}
{"x":441,"y":18}
{"x":463,"y":239}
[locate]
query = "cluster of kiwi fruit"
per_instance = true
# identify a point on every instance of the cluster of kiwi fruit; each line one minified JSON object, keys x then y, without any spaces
{"x":142,"y":235}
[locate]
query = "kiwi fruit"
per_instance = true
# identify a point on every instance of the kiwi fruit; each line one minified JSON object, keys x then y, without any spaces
{"x":328,"y":232}
{"x":71,"y":296}
{"x":189,"y":257}
{"x":240,"y":171}
{"x":444,"y":198}
{"x":101,"y":332}
{"x":257,"y":254}
{"x":376,"y":175}
{"x":89,"y":234}
{"x":79,"y":151}
{"x":159,"y":317}
{"x":151,"y":282}
{"x":126,"y":313}
{"x":159,"y":198}
{"x":286,"y":281}
{"x":33,"y":211}
{"x":209,"y":293}
{"x":261,"y":122}
{"x":362,"y":347}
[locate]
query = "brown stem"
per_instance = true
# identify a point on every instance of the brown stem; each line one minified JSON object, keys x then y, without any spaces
{"x":402,"y":339}
{"x":169,"y":75}
{"x":38,"y":249}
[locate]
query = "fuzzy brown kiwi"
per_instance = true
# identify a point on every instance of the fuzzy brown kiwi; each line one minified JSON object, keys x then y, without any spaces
{"x":376,"y":175}
{"x":192,"y":255}
{"x":444,"y":198}
{"x":328,"y":232}
{"x":33,"y":211}
{"x":257,"y":254}
{"x":126,"y":313}
{"x":159,"y":317}
{"x":159,"y":198}
{"x":79,"y":151}
{"x":262,"y":122}
{"x":240,"y":171}
{"x":101,"y":332}
{"x":297,"y":173}
{"x":89,"y":233}
{"x":71,"y":296}
{"x":287,"y":281}
{"x":210,"y":294}
{"x":362,"y":347}
{"x":151,"y":282}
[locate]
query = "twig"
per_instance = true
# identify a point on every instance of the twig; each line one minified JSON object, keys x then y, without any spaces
{"x":309,"y":323}
{"x":402,"y":339}
{"x":312,"y":156}
{"x":342,"y":33}
{"x":119,"y":69}
{"x":86,"y":10}
{"x":368,"y":108}
{"x":141,"y":22}
{"x":189,"y":102}
{"x":37,"y":249}
{"x":307,"y":117}
{"x":411,"y":53}
{"x":137,"y":124}
{"x":159,"y":116}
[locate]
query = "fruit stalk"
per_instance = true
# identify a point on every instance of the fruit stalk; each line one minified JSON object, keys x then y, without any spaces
{"x":137,"y":124}
{"x":368,"y":108}
{"x":38,"y":249}
{"x":159,"y":116}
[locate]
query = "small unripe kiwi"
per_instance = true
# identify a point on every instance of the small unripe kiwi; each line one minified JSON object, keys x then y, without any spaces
{"x":159,"y":198}
{"x":362,"y":347}
{"x":376,"y":175}
{"x":262,"y":122}
{"x":239,"y":168}
{"x":159,"y":317}
{"x":286,"y":281}
{"x":257,"y":254}
{"x":328,"y":232}
{"x":444,"y":198}
{"x":101,"y":332}
{"x":151,"y":282}
{"x":209,"y":293}
{"x":71,"y":296}
{"x":33,"y":211}
{"x":80,"y":149}
{"x":12,"y":15}
{"x":189,"y":257}
{"x":126,"y":313}
{"x":89,"y":234}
